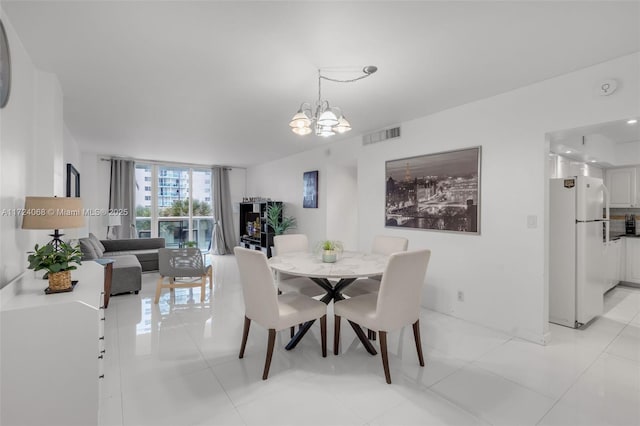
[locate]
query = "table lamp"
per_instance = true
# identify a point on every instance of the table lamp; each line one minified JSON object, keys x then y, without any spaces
{"x":53,"y":213}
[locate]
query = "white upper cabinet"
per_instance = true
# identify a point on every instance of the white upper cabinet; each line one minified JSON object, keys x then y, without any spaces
{"x":623,"y":186}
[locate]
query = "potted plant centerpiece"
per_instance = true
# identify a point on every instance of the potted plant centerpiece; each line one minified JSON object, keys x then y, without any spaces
{"x":277,"y":220}
{"x":58,"y":262}
{"x":330,"y":250}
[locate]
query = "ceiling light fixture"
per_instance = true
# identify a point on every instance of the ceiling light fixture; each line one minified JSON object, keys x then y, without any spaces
{"x":321,"y":118}
{"x":632,"y":121}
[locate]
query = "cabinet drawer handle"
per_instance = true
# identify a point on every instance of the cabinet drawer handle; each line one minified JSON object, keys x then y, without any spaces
{"x":102,"y":319}
{"x":103,"y":351}
{"x":100,"y":356}
{"x":101,"y":376}
{"x":101,"y":338}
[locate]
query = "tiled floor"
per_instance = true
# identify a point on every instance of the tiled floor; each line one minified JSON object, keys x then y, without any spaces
{"x":177,"y":364}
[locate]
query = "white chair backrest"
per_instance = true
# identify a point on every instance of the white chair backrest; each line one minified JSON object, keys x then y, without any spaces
{"x":290,"y":243}
{"x":258,"y":289}
{"x":401,"y":289}
{"x":383,"y":244}
{"x":180,"y":262}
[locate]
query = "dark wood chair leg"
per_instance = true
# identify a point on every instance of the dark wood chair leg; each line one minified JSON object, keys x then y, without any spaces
{"x":336,"y":335}
{"x":323,"y":335}
{"x":270,"y":345}
{"x":385,"y":357}
{"x":371,"y":334}
{"x":416,"y":337}
{"x":245,"y":334}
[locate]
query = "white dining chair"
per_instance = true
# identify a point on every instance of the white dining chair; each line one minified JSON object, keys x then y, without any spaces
{"x":290,"y":283}
{"x":272,"y":311}
{"x":382,"y":244}
{"x":396,"y":304}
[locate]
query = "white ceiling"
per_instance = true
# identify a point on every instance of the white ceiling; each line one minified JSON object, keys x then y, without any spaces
{"x":212,"y":82}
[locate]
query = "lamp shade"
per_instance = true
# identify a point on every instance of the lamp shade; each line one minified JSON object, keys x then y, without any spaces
{"x":300,"y":119}
{"x":343,"y":125}
{"x":52,"y":213}
{"x":327,"y":118}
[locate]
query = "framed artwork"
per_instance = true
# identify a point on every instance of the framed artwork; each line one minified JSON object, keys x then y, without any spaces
{"x":5,"y":68}
{"x":73,"y":181}
{"x":310,"y":190}
{"x":439,"y":192}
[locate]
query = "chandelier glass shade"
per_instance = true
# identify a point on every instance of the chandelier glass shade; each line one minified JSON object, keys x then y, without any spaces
{"x":320,"y":118}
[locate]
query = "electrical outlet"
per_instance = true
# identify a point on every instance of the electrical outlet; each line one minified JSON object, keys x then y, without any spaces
{"x":460,"y":296}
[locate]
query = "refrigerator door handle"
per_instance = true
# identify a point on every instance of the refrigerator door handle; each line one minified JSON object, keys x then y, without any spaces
{"x":607,"y":215}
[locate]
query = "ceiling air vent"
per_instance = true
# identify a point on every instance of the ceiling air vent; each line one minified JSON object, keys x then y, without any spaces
{"x":380,"y":136}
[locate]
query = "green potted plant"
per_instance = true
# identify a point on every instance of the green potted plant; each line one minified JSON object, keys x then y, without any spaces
{"x":277,"y":220}
{"x":191,"y":244}
{"x":330,"y":250}
{"x":58,"y":262}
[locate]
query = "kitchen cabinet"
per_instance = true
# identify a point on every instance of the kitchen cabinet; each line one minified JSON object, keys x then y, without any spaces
{"x":51,"y":350}
{"x":623,"y":186}
{"x":613,"y":262}
{"x":632,"y":274}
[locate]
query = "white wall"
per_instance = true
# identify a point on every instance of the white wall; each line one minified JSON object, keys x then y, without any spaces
{"x":336,"y":215}
{"x":502,"y":271}
{"x":31,"y":153}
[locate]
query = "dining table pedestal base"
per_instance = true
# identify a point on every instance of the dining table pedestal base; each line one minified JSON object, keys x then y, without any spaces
{"x":333,"y":293}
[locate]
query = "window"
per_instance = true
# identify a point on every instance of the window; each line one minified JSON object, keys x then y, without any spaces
{"x":179,"y":207}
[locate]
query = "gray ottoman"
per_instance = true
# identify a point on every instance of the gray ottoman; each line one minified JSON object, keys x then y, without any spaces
{"x":127,"y":275}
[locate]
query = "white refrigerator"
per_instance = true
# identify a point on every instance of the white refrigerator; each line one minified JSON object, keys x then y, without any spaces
{"x":579,"y":229}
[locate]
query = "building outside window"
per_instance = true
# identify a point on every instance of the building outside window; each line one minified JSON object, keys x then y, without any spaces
{"x":177,"y":206}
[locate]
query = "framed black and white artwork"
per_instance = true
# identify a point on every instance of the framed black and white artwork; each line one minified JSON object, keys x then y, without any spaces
{"x":73,"y":181}
{"x":310,"y":190}
{"x":438,"y":191}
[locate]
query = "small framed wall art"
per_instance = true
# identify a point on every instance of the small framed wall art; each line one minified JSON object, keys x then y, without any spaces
{"x":73,"y":181}
{"x":310,"y":190}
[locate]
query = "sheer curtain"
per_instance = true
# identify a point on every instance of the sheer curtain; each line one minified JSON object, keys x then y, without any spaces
{"x":224,"y":236}
{"x":122,"y":197}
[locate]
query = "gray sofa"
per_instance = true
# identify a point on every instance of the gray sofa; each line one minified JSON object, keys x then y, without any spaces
{"x":131,"y":257}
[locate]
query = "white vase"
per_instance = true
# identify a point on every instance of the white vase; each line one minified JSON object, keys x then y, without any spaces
{"x":329,"y":256}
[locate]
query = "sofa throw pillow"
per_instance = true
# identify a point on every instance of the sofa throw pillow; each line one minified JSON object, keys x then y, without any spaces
{"x":97,"y":245}
{"x":86,"y":247}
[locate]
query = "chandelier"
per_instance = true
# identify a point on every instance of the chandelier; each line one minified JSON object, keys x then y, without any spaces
{"x":321,"y":118}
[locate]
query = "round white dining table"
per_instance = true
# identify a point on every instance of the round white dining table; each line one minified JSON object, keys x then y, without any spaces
{"x":348,"y":267}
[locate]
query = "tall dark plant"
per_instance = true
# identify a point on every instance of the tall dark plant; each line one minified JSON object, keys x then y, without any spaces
{"x":277,"y":220}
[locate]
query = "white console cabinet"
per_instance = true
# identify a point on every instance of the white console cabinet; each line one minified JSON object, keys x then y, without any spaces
{"x":50,"y":350}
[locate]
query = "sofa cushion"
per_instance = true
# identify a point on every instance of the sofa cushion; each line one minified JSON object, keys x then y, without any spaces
{"x":97,"y":245}
{"x":86,"y":247}
{"x":127,"y":275}
{"x":133,"y":244}
{"x":142,"y":255}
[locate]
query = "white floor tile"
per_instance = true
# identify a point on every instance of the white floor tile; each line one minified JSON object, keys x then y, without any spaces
{"x":607,"y":394}
{"x":549,"y":370}
{"x":493,"y":398}
{"x":195,"y":398}
{"x":627,"y":344}
{"x":426,"y":408}
{"x":177,"y":363}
